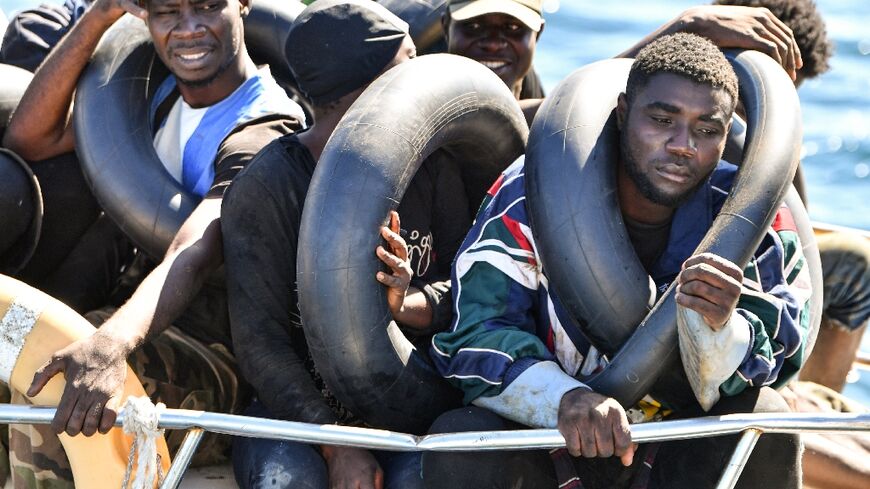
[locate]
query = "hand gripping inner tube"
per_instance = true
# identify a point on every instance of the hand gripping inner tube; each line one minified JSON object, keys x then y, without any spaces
{"x":435,"y":101}
{"x":32,"y":327}
{"x":572,"y":195}
{"x":114,"y":135}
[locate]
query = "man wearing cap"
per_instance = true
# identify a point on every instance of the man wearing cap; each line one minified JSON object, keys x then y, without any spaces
{"x":503,"y":34}
{"x":335,"y":49}
{"x":211,"y":116}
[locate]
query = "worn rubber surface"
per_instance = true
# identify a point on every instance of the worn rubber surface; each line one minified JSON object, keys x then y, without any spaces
{"x":114,"y":135}
{"x":15,"y":81}
{"x":20,"y":196}
{"x":571,"y":186}
{"x":423,"y":18}
{"x":436,"y":102}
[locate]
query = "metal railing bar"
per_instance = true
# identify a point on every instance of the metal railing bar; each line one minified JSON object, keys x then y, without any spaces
{"x":498,"y":440}
{"x":182,"y":458}
{"x":655,"y":432}
{"x":741,"y":454}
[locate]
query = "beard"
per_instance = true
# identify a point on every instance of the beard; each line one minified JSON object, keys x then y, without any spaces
{"x":207,"y":80}
{"x":236,"y":49}
{"x":642,"y":180}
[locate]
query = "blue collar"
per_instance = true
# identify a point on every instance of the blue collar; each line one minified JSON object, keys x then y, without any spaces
{"x":691,"y":222}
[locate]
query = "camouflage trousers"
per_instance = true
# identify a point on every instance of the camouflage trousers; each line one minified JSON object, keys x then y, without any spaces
{"x":175,"y":369}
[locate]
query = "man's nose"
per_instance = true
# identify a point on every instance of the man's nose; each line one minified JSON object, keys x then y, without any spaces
{"x":189,"y":24}
{"x":682,"y":142}
{"x":493,"y":41}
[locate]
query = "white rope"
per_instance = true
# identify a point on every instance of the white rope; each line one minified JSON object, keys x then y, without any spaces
{"x":140,"y":420}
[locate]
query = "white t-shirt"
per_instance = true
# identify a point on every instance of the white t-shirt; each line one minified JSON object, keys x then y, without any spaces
{"x":180,"y":124}
{"x":172,"y":136}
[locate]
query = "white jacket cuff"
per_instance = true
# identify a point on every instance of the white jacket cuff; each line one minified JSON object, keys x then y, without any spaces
{"x":533,"y":397}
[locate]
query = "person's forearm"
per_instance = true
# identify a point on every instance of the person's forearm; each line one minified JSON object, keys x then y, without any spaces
{"x":40,"y":126}
{"x":416,"y":313}
{"x":165,"y":293}
{"x":277,"y":373}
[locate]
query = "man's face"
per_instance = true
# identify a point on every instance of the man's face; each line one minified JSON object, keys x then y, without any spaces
{"x":197,"y":39}
{"x":672,"y":136}
{"x":500,"y":42}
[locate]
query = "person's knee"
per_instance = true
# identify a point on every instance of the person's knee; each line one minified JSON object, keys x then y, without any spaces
{"x":846,"y":276}
{"x":469,"y":418}
{"x":449,"y":469}
{"x":260,"y":464}
{"x":486,"y":468}
{"x":770,"y":401}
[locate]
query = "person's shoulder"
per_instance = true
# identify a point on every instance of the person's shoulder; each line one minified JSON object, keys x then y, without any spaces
{"x":254,"y":135}
{"x":281,"y":159}
{"x":512,"y":181}
{"x":276,"y":97}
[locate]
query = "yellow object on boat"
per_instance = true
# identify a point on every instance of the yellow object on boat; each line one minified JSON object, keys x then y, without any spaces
{"x":33,"y":327}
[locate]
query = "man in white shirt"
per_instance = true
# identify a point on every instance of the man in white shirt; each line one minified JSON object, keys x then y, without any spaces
{"x":225,"y":112}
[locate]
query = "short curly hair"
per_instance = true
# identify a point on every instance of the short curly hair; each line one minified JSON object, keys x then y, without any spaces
{"x":687,"y":55}
{"x":807,"y":25}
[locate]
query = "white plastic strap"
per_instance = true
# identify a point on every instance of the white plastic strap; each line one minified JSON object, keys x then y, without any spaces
{"x":20,"y":317}
{"x":140,"y":420}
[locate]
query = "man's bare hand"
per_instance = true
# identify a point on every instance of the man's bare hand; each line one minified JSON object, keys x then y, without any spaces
{"x":595,"y":426}
{"x":730,"y":26}
{"x":114,"y":9}
{"x":397,"y":259}
{"x":95,"y":369}
{"x":352,"y":468}
{"x":710,"y":285}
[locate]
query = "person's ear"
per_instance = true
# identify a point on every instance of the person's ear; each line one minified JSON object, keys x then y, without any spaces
{"x":538,"y":34}
{"x":244,"y":8}
{"x":621,"y":110}
{"x":445,"y":23}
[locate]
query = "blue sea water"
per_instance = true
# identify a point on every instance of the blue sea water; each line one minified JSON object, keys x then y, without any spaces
{"x":835,"y":107}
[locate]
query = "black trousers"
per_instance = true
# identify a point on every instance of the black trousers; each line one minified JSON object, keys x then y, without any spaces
{"x":81,"y":252}
{"x":689,"y":464}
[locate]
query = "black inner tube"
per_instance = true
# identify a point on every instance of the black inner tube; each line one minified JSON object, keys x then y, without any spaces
{"x":20,"y":212}
{"x":15,"y":81}
{"x":20,"y":197}
{"x":423,"y":18}
{"x":436,"y":102}
{"x":601,"y":283}
{"x":114,"y":135}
